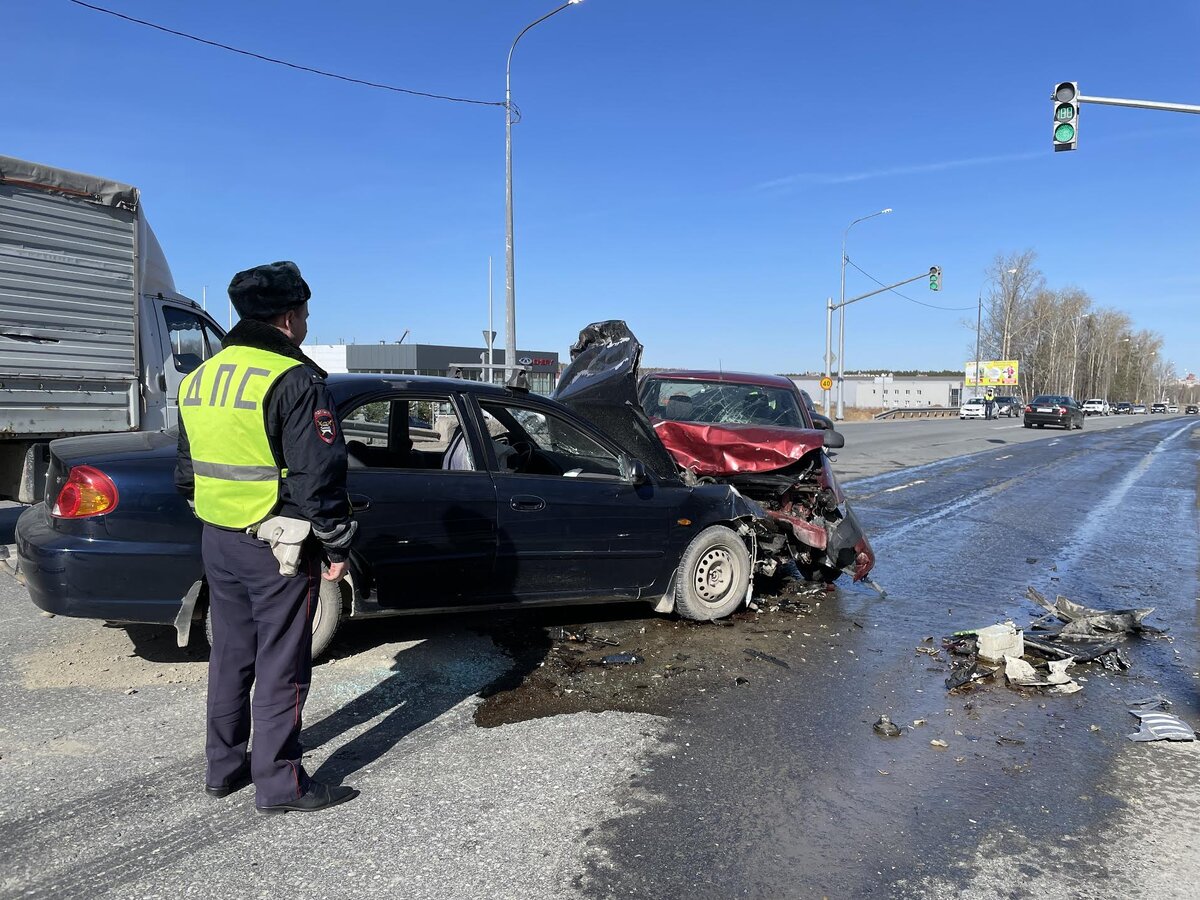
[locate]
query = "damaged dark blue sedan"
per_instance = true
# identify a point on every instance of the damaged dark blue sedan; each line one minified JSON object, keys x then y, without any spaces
{"x":509,"y":500}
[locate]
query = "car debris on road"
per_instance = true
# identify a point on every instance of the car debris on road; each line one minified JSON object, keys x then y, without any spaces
{"x":1065,"y":622}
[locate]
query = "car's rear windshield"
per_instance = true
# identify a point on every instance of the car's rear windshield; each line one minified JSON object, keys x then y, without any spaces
{"x":721,"y":403}
{"x":1049,"y":400}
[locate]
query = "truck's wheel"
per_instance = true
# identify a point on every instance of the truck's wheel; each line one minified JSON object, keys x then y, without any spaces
{"x":327,"y":616}
{"x":714,"y":574}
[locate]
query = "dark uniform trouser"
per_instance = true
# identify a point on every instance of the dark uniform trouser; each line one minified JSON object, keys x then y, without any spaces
{"x":262,"y":635}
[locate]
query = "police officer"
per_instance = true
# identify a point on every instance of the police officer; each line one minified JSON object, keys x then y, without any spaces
{"x":989,"y":403}
{"x":259,"y":440}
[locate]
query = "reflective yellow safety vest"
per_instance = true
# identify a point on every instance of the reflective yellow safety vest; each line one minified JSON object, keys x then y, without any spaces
{"x":224,"y":414}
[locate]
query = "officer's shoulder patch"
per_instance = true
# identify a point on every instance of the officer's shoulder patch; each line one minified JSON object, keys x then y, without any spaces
{"x":325,"y":425}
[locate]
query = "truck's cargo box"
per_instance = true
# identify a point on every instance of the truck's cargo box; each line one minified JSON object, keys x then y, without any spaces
{"x":70,"y":248}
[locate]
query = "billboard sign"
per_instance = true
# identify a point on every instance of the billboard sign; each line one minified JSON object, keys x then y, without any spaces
{"x":994,"y":373}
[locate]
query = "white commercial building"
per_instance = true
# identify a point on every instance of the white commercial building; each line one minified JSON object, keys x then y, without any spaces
{"x":888,"y":391}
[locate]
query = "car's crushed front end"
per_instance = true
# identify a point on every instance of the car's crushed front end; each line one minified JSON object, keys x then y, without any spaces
{"x":787,"y":472}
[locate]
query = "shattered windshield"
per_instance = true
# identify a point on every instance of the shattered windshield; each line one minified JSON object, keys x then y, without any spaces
{"x":721,"y":403}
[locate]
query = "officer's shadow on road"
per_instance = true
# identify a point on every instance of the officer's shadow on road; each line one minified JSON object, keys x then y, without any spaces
{"x":457,"y":658}
{"x":426,"y":681}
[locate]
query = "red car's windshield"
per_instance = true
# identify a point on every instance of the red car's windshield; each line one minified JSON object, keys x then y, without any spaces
{"x":721,"y":403}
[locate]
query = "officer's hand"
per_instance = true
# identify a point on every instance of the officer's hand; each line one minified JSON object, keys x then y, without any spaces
{"x":336,"y":572}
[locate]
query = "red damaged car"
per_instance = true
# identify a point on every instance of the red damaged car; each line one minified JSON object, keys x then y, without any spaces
{"x":755,"y":432}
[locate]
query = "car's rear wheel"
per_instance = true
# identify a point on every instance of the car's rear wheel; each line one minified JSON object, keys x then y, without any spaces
{"x":714,"y":575}
{"x":326,"y":616}
{"x":1027,"y":424}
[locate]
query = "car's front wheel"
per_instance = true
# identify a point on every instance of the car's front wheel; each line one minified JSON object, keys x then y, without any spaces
{"x":714,"y":575}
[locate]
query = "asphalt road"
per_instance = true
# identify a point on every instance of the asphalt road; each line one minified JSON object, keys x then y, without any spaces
{"x":773,"y":785}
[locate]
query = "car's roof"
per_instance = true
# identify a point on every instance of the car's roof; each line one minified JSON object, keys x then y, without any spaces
{"x":362,"y":380}
{"x":726,"y":377}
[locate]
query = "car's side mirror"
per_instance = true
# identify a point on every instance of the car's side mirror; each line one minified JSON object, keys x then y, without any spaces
{"x":635,"y":471}
{"x":822,"y":421}
{"x":834,"y":440}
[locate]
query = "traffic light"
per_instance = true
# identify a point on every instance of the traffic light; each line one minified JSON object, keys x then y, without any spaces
{"x":1066,"y":116}
{"x":935,"y":278}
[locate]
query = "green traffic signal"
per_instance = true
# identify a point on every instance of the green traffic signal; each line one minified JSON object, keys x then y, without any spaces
{"x":1066,"y":101}
{"x":935,"y":278}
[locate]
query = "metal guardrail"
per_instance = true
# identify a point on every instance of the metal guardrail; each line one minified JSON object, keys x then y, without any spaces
{"x":918,"y":412}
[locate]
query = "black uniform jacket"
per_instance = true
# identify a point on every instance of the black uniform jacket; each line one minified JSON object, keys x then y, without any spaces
{"x":302,"y":427}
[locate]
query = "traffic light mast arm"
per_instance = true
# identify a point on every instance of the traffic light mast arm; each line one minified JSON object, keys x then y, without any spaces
{"x":924,"y":274}
{"x":1140,"y":104}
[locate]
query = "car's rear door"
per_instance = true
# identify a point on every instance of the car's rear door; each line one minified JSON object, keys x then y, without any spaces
{"x":427,"y":534}
{"x":570,"y":525}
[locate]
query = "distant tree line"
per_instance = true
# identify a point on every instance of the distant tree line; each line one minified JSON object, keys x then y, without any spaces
{"x":1064,"y":342}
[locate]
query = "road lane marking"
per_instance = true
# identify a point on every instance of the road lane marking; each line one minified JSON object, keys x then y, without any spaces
{"x":1053,"y":442}
{"x":903,"y":486}
{"x":1005,"y":456}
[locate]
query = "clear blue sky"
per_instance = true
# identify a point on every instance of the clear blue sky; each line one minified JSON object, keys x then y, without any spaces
{"x":686,"y":165}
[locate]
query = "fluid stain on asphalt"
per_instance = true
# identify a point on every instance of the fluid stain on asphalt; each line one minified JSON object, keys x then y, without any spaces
{"x":657,"y":665}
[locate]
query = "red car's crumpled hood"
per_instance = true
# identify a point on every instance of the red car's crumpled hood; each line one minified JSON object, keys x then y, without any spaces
{"x":729,"y":449}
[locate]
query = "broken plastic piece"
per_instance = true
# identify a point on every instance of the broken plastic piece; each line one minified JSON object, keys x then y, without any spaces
{"x":962,"y":673}
{"x":1085,"y":622}
{"x":998,"y":641}
{"x":1160,"y":726}
{"x":1022,"y":674}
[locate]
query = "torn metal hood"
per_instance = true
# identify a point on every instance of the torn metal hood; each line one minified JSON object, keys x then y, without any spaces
{"x":719,"y":450}
{"x":600,"y":384}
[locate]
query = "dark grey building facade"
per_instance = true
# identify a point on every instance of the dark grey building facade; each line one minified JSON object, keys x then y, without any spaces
{"x":433,"y":359}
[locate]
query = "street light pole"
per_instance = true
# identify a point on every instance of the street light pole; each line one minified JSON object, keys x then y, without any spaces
{"x":510,"y":289}
{"x":842,"y":314}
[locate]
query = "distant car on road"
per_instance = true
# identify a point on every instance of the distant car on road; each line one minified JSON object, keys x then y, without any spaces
{"x":1172,"y":408}
{"x":1124,"y":408}
{"x":1192,"y":410}
{"x":1096,"y":407}
{"x":1139,"y":409}
{"x":1054,"y":409}
{"x":1156,"y":408}
{"x":973,"y":409}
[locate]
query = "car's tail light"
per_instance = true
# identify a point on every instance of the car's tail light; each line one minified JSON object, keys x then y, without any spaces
{"x":88,"y":492}
{"x":1028,"y":409}
{"x":1062,"y":410}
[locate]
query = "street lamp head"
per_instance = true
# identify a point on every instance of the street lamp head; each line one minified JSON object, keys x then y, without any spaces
{"x":888,"y":210}
{"x":573,"y":2}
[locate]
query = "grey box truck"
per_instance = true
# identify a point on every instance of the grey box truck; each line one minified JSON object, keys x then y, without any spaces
{"x":94,"y":338}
